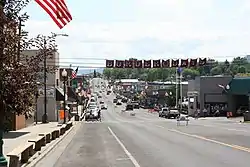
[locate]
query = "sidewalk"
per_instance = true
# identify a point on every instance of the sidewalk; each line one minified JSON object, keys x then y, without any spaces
{"x":13,"y":139}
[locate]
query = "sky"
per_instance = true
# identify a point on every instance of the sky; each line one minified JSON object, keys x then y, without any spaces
{"x":147,"y":29}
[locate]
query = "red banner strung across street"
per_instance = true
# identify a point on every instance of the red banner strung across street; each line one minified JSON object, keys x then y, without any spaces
{"x":184,"y":63}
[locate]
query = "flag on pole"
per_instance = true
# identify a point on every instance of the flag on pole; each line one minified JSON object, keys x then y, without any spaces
{"x":57,"y":10}
{"x":74,"y":73}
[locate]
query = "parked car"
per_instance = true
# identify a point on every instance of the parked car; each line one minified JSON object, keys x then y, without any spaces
{"x":124,"y":100}
{"x":92,"y":99}
{"x":91,"y":113}
{"x":157,"y":108}
{"x":129,"y":107}
{"x":136,"y":105}
{"x":118,"y":96}
{"x":101,"y":102}
{"x":115,"y":100}
{"x":92,"y":104}
{"x":163,"y":112}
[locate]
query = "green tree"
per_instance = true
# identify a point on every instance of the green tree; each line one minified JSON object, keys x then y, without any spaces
{"x":189,"y":73}
{"x":241,"y":69}
{"x":216,"y":71}
{"x":9,"y":40}
{"x":107,"y":72}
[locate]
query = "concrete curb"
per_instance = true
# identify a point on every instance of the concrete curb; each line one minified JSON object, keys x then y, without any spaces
{"x":46,"y":151}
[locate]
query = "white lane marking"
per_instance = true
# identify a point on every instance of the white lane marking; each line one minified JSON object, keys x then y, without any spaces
{"x":133,"y":160}
{"x":122,"y":159}
{"x":159,"y":126}
{"x":207,"y":139}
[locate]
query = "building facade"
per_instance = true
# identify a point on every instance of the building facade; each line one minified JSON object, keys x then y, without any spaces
{"x":209,"y":90}
{"x":52,"y":80}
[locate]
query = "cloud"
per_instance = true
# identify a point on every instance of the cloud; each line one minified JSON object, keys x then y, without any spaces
{"x":159,"y":29}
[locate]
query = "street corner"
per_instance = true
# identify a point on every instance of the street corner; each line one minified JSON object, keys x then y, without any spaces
{"x":38,"y":145}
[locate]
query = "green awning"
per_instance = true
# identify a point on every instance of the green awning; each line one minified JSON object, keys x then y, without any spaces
{"x":239,"y":86}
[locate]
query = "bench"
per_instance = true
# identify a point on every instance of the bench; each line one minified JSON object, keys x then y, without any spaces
{"x":55,"y":134}
{"x":25,"y":150}
{"x":182,"y":119}
{"x":39,"y":142}
{"x":62,"y":129}
{"x":47,"y":136}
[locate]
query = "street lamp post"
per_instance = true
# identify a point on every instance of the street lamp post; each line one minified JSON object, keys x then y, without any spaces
{"x":45,"y":116}
{"x":64,"y":75}
{"x":37,"y":94}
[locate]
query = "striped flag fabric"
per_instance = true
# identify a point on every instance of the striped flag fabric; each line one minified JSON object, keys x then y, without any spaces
{"x":57,"y":10}
{"x":74,"y":73}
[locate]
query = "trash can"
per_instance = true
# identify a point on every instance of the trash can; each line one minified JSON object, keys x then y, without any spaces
{"x":77,"y":117}
{"x":246,"y":116}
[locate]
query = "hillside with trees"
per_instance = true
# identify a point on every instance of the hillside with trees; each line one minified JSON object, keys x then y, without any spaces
{"x":238,"y":67}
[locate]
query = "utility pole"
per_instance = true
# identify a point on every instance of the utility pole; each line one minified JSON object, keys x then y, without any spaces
{"x":176,"y":88}
{"x":45,"y":117}
{"x":181,"y":93}
{"x":3,"y":161}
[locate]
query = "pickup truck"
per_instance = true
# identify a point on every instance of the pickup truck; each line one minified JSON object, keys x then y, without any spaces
{"x":172,"y":113}
{"x":163,"y":112}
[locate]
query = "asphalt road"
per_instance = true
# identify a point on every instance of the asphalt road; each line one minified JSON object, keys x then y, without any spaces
{"x":145,"y":140}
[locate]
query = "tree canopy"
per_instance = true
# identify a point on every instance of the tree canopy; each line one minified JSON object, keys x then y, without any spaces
{"x":19,"y":76}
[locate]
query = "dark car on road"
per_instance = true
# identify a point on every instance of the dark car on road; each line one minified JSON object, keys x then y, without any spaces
{"x":136,"y":105}
{"x":130,"y":107}
{"x":115,"y":100}
{"x":118,"y":102}
{"x":124,"y":100}
{"x":118,"y":96}
{"x":104,"y":107}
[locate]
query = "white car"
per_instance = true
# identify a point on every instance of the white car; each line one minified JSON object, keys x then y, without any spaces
{"x":92,"y":113}
{"x":92,"y":104}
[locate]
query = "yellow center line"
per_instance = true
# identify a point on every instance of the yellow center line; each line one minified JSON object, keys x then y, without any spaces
{"x":210,"y":140}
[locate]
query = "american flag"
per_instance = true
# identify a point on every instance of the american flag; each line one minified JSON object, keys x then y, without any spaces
{"x":57,"y":10}
{"x":74,"y":73}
